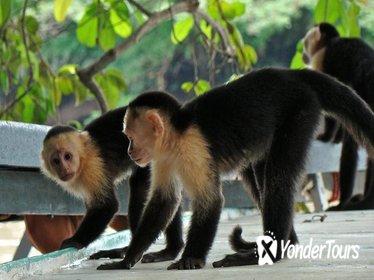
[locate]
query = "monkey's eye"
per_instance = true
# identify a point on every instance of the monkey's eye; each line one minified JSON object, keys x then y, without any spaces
{"x":56,"y":161}
{"x":68,"y":156}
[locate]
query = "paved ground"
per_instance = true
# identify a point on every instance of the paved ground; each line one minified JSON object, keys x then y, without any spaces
{"x":348,"y":230}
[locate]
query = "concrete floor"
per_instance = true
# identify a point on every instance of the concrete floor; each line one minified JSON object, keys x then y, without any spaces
{"x":354,"y":228}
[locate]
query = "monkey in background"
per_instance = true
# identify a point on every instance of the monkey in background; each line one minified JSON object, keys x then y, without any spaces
{"x":88,"y":164}
{"x":261,"y":124}
{"x":351,"y":61}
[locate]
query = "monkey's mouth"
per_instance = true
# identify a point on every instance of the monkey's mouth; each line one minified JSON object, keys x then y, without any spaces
{"x":141,"y":161}
{"x":67,"y":177}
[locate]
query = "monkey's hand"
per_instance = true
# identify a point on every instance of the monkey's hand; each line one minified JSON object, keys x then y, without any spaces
{"x":188,"y":263}
{"x":70,"y":242}
{"x":237,"y":259}
{"x":111,"y":254}
{"x":126,"y":263}
{"x":160,"y":256}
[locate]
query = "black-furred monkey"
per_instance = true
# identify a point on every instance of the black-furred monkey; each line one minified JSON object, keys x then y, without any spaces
{"x":351,"y":61}
{"x":88,"y":164}
{"x":262,"y":122}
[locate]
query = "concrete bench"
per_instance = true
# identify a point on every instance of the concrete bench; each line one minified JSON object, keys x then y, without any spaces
{"x":24,"y":190}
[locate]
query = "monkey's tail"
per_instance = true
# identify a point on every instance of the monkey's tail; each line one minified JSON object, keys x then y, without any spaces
{"x":237,"y":243}
{"x":342,"y":103}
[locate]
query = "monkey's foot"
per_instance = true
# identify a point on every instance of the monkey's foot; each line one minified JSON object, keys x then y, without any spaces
{"x":160,"y":256}
{"x":115,"y":265}
{"x":68,"y":243}
{"x":357,"y":198}
{"x":335,"y":208}
{"x":364,"y":204}
{"x":188,"y":263}
{"x":111,"y":254}
{"x":237,"y":259}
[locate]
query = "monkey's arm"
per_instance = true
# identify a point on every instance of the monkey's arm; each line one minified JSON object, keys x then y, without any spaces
{"x":139,"y":187}
{"x":158,"y":212}
{"x":95,"y":221}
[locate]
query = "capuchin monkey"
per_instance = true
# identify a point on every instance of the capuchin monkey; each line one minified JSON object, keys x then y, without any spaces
{"x":351,"y":61}
{"x":261,"y":124}
{"x":88,"y":164}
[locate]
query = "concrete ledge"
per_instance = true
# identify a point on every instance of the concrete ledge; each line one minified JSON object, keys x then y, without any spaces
{"x":20,"y":143}
{"x":48,"y":263}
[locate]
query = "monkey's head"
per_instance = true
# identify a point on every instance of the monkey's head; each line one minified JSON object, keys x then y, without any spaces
{"x":61,"y":152}
{"x":317,"y":38}
{"x":146,"y":124}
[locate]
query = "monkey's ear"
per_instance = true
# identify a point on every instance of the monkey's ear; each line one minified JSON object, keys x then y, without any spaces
{"x":317,"y":34}
{"x":157,"y":123}
{"x":84,"y":136}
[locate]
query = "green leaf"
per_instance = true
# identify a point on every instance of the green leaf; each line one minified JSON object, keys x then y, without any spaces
{"x":4,"y":82}
{"x":88,"y":26}
{"x":107,"y":36}
{"x":297,"y":61}
{"x":64,"y":84}
{"x":36,"y":42}
{"x":181,"y":29}
{"x":60,"y":9}
{"x":32,"y":25}
{"x":187,"y":86}
{"x":5,"y":53}
{"x":229,"y":10}
{"x":250,"y":54}
{"x":327,"y":11}
{"x":55,"y":92}
{"x":206,"y":29}
{"x":110,"y":91}
{"x":70,"y":69}
{"x":239,"y":8}
{"x":80,"y":91}
{"x":120,"y":22}
{"x":28,"y":109}
{"x":201,"y":87}
{"x":116,"y":78}
{"x":354,"y":28}
{"x":5,"y":9}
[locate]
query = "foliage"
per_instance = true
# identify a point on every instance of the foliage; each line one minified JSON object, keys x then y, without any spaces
{"x":32,"y":89}
{"x":46,"y":47}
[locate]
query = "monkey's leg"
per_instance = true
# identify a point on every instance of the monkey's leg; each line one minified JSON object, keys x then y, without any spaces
{"x":139,"y":187}
{"x":259,"y":176}
{"x":95,"y":221}
{"x":331,"y":127}
{"x":253,"y":181}
{"x":139,"y":183}
{"x":159,"y":211}
{"x":369,"y":180}
{"x":348,"y":166}
{"x":367,"y":200}
{"x":283,"y":166}
{"x":339,"y":134}
{"x":174,"y":241}
{"x":203,"y":228}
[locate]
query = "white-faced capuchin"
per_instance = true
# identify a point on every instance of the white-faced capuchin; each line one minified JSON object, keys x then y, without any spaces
{"x":261,"y":123}
{"x":88,"y":164}
{"x":351,"y":61}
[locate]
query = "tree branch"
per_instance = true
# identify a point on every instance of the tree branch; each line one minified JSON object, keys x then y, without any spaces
{"x":86,"y":74}
{"x":140,"y":8}
{"x":229,"y":50}
{"x":30,"y":71}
